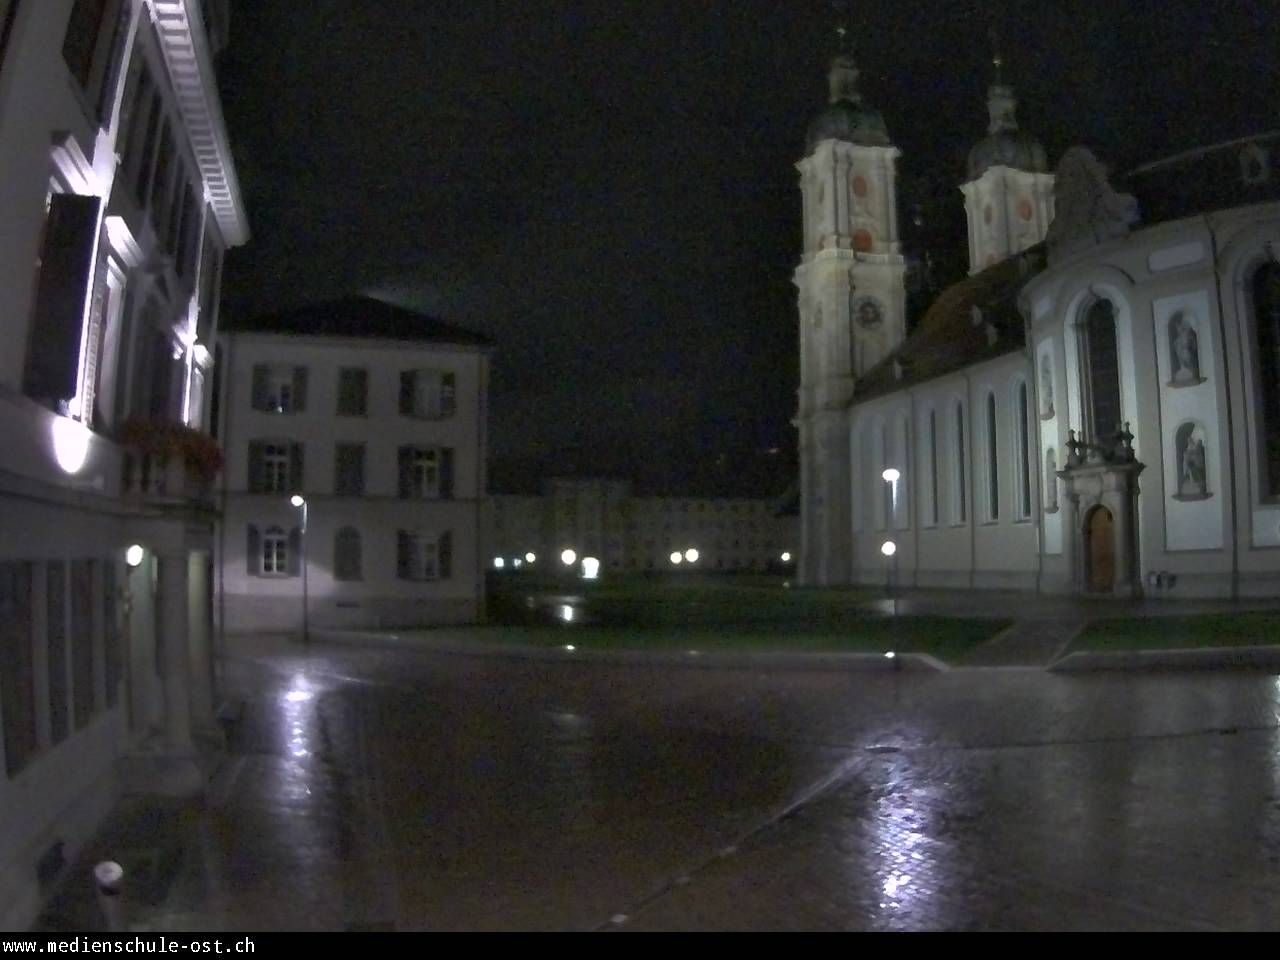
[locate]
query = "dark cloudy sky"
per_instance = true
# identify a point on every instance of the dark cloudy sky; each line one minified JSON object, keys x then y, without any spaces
{"x":607,"y":189}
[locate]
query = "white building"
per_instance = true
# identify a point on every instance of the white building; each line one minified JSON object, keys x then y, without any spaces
{"x":627,"y":533}
{"x":374,"y":415}
{"x":1096,"y":409}
{"x":119,"y":198}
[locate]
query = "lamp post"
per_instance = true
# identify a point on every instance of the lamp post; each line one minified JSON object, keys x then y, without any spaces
{"x":890,"y":551}
{"x":298,"y":500}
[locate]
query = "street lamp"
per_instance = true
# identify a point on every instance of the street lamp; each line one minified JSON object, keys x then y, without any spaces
{"x":890,"y":551}
{"x":297,"y":500}
{"x":891,"y":476}
{"x":676,"y":557}
{"x":691,"y":555}
{"x":568,"y":558}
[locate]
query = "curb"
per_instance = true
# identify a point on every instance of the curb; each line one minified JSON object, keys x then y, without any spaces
{"x":1209,"y":658}
{"x":858,"y":662}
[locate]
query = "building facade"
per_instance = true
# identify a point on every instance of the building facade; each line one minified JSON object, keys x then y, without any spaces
{"x":1092,"y":411}
{"x":631,"y":534}
{"x":120,"y":199}
{"x":375,"y":416}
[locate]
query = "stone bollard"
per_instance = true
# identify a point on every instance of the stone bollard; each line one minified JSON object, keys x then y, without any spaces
{"x":108,"y":883}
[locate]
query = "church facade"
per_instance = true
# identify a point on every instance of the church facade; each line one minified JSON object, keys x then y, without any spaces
{"x":1094,"y":410}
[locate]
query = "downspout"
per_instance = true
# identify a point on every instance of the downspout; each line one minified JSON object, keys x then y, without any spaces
{"x":970,"y":505}
{"x":224,"y":436}
{"x":1034,"y":412}
{"x":1231,"y":433}
{"x":913,"y":489}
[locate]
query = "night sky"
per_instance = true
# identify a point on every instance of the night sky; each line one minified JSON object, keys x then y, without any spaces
{"x":608,"y":189}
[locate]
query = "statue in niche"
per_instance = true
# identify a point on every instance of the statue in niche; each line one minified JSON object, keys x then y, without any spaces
{"x":1184,"y":350}
{"x":1191,"y":463}
{"x":1046,"y":388}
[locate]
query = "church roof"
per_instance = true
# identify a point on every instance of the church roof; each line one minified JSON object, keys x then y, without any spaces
{"x":850,"y":122}
{"x":974,"y":320}
{"x":358,"y":317}
{"x":1007,"y":148}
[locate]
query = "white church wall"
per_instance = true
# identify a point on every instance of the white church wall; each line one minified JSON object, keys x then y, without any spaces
{"x":1189,"y":419}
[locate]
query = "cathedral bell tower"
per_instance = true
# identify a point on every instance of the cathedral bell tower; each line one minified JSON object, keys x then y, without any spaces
{"x":1008,"y":197}
{"x":852,"y":300}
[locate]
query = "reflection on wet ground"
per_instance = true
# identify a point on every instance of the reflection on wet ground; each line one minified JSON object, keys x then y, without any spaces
{"x":377,"y":788}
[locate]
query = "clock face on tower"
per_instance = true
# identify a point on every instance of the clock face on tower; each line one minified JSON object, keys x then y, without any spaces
{"x":868,"y":312}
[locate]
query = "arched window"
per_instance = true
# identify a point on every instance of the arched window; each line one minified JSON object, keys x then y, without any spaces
{"x":275,"y":551}
{"x":1023,"y":437}
{"x":347,"y":563}
{"x":933,"y":468}
{"x":993,"y":463}
{"x":1266,"y":302}
{"x":960,"y":494}
{"x":1101,"y":371}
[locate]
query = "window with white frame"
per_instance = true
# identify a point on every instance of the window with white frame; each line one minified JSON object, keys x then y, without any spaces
{"x":423,"y":555}
{"x":426,"y":473}
{"x":275,"y":467}
{"x":1101,"y":371}
{"x":275,"y":552}
{"x":279,"y":388}
{"x":428,"y":394}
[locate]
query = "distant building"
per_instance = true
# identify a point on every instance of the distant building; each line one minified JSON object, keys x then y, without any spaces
{"x":1095,"y":410}
{"x":376,"y":416}
{"x":603,"y":519}
{"x":119,"y":199}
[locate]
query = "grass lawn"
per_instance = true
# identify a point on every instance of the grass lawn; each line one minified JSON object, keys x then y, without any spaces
{"x":1181,"y":633}
{"x":754,"y":613}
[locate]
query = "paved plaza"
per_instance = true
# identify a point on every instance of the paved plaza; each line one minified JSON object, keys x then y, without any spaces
{"x":377,"y":788}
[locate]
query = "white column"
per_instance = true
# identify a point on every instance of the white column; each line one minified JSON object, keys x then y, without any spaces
{"x":174,"y":657}
{"x":198,"y":633}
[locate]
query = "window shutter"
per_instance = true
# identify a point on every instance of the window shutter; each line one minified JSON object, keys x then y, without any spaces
{"x":295,"y":468}
{"x":62,"y":290}
{"x":253,"y":552}
{"x":406,"y":393}
{"x":260,"y":386}
{"x":299,"y":388}
{"x":257,"y":480}
{"x":446,"y":473}
{"x":405,"y":453}
{"x":295,"y":552}
{"x":448,"y":395}
{"x":445,"y":550}
{"x":402,"y":555}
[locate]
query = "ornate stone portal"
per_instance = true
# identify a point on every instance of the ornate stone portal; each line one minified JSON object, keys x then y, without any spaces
{"x":1101,"y":481}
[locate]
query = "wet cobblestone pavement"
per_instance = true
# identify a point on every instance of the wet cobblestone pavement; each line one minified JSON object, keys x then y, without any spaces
{"x":380,"y":789}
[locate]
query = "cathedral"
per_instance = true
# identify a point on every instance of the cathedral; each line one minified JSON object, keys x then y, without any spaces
{"x":1094,"y":410}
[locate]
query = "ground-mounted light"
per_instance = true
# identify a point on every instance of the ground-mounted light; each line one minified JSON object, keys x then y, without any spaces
{"x":889,"y":655}
{"x":785,"y":558}
{"x":888,"y":548}
{"x":70,"y":444}
{"x":566,"y":612}
{"x":568,"y":558}
{"x":134,"y":554}
{"x":677,"y":557}
{"x":530,"y":557}
{"x":691,"y":555}
{"x":590,"y":568}
{"x":517,"y":563}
